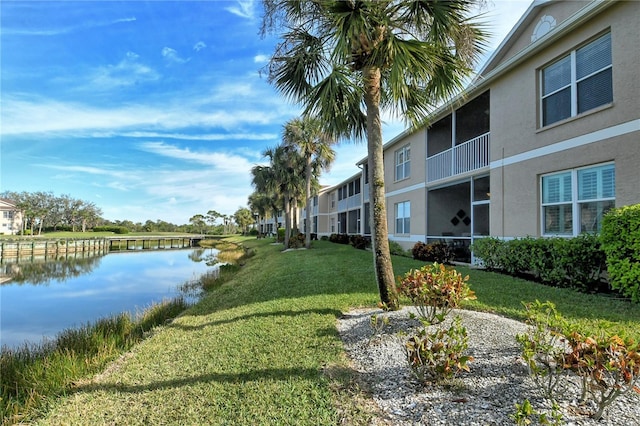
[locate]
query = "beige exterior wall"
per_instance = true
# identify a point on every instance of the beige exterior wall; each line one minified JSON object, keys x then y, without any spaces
{"x":416,"y":141}
{"x":613,"y":131}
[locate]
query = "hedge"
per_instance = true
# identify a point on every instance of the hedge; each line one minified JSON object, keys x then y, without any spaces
{"x":621,"y":242}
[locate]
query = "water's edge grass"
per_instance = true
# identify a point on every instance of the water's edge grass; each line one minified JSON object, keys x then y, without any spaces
{"x":261,"y":346}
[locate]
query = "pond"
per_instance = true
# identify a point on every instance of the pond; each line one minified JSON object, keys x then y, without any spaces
{"x":44,"y":298}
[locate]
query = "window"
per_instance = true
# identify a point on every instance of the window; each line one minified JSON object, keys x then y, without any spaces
{"x":586,"y":194}
{"x":403,"y":162}
{"x":403,"y":218}
{"x":7,"y":214}
{"x":357,"y":186}
{"x":578,"y":82}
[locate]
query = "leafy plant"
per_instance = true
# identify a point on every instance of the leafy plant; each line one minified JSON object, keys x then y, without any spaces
{"x":543,"y":348}
{"x":525,"y":413}
{"x":435,"y":290}
{"x":621,"y":243}
{"x":609,"y":367}
{"x":438,"y":355}
{"x":433,"y":252}
{"x":378,"y":324}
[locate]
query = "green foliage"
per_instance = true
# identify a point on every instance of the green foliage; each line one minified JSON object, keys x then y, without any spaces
{"x":378,"y":324}
{"x":297,"y":241}
{"x":111,"y":228}
{"x":607,"y":365}
{"x":339,"y":238}
{"x":439,"y":354}
{"x":433,"y":252}
{"x":543,"y":349}
{"x":621,"y":242}
{"x":435,"y":290}
{"x":525,"y":413}
{"x":562,"y":262}
{"x":324,"y":238}
{"x":359,"y":242}
{"x":280,"y":236}
{"x":396,"y":249}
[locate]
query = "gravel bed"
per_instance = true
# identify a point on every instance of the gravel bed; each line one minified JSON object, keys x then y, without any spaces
{"x":484,"y":396}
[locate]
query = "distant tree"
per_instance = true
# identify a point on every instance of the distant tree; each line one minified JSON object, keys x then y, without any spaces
{"x":198,"y":223}
{"x":244,"y":219}
{"x":307,"y":135}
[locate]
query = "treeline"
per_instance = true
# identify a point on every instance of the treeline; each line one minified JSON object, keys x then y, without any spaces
{"x":43,"y":211}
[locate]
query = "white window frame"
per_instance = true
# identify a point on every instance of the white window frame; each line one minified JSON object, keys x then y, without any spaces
{"x":402,"y":158}
{"x":402,"y":212}
{"x":575,"y":202}
{"x":573,"y":83}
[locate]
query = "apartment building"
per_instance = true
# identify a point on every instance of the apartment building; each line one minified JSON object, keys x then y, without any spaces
{"x":543,"y":142}
{"x":10,"y":218}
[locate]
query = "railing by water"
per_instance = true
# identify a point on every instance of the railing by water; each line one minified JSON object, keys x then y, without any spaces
{"x":36,"y":247}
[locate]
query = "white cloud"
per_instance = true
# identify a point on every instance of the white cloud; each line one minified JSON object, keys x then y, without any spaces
{"x":199,"y":46}
{"x":64,"y":30}
{"x":261,"y":59}
{"x":243,"y":9}
{"x":171,"y":56}
{"x":127,"y":72}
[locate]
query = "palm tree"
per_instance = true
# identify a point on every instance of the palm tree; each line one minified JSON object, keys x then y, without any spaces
{"x":282,"y":178}
{"x":345,"y":61}
{"x":307,"y":135}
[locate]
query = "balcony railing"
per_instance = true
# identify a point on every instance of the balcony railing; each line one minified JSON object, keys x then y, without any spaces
{"x":466,"y":157}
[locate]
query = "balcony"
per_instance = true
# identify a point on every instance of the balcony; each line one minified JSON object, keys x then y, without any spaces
{"x":466,"y":157}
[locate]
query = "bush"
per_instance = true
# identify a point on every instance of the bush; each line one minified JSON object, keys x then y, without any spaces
{"x":359,"y":242}
{"x":297,"y":241}
{"x":563,"y":262}
{"x":608,"y":366}
{"x":396,"y":249}
{"x":490,"y":251}
{"x":433,"y":252}
{"x":339,"y":238}
{"x":438,"y":355}
{"x":621,"y":243}
{"x":435,"y":290}
{"x":324,"y":238}
{"x":111,"y":228}
{"x":280,"y":235}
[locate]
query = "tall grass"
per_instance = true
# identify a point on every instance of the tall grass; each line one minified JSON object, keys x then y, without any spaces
{"x":33,"y":373}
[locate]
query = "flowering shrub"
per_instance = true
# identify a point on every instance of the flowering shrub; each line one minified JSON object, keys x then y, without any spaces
{"x":435,"y":290}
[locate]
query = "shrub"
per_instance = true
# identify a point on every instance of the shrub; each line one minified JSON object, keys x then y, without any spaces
{"x":490,"y":251}
{"x":324,"y":238}
{"x":438,"y":355}
{"x":563,"y":262}
{"x":111,"y":228}
{"x":433,"y":252}
{"x":435,"y":290}
{"x":621,"y":243}
{"x":608,"y":366}
{"x":396,"y":249}
{"x":280,"y":235}
{"x":359,"y":242}
{"x":339,"y":238}
{"x":297,"y":241}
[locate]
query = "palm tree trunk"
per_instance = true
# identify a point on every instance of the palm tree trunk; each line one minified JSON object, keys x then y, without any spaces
{"x":307,"y":238}
{"x":287,"y":220}
{"x":380,"y":236}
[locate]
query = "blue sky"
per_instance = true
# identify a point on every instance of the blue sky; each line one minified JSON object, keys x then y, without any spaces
{"x":149,"y":109}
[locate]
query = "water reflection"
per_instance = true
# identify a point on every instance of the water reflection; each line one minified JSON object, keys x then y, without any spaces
{"x":32,"y":307}
{"x":43,"y":272}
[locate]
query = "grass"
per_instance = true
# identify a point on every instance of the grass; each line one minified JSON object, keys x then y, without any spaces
{"x":263,"y":348}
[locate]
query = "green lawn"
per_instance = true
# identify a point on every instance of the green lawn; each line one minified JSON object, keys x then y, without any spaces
{"x":263,"y":348}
